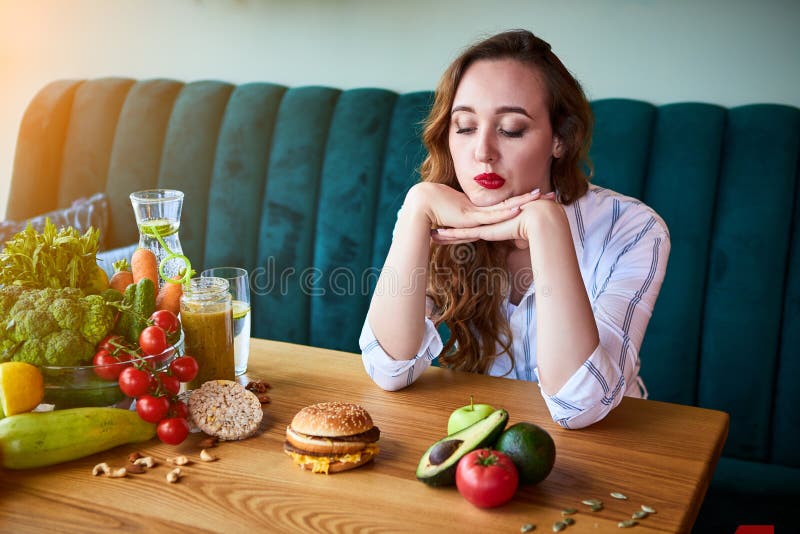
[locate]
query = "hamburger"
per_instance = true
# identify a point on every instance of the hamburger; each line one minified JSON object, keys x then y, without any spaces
{"x":331,"y":437}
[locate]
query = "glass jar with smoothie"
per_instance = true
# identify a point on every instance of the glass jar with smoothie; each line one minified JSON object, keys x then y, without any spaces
{"x":207,"y":319}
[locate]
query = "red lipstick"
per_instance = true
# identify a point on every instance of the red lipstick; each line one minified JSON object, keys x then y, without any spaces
{"x":490,"y":180}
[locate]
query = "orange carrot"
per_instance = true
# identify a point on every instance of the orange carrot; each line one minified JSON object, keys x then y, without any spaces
{"x":122,"y":276}
{"x":169,"y":297}
{"x":144,"y":265}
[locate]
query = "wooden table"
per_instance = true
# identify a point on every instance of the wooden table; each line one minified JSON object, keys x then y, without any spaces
{"x":655,"y":453}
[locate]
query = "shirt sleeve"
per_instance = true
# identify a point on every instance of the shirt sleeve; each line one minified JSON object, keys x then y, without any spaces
{"x":622,"y":308}
{"x":391,"y":374}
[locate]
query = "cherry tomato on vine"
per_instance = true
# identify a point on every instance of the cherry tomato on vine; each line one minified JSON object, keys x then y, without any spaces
{"x":108,"y":367}
{"x":170,"y":383}
{"x":180,"y":409}
{"x":185,"y":368}
{"x":152,"y":409}
{"x":112,"y":343}
{"x":153,"y":340}
{"x":173,"y":431}
{"x":134,"y":382}
{"x":166,"y":320}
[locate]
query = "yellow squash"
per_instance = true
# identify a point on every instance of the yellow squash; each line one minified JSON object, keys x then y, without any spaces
{"x":39,"y":439}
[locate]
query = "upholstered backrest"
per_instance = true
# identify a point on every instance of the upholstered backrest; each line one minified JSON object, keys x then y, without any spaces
{"x":302,"y":185}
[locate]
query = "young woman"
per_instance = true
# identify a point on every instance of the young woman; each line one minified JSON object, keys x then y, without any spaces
{"x":538,"y":275}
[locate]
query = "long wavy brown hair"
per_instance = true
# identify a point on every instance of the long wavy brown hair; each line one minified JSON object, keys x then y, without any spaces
{"x":469,"y":282}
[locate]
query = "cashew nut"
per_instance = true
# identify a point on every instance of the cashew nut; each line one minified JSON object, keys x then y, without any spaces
{"x":118,"y":473}
{"x":205,"y":456}
{"x":178,"y":460}
{"x":174,"y":475}
{"x":101,"y":469}
{"x":146,"y":461}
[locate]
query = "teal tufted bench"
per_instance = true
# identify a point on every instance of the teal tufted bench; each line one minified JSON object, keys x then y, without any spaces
{"x":301,"y":186}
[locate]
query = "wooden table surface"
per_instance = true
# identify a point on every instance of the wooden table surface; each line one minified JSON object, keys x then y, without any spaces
{"x":655,"y":453}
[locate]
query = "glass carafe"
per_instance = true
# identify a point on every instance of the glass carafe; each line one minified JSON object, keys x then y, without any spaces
{"x":158,"y":216}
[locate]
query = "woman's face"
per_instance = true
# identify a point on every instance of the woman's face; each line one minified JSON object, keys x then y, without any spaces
{"x":501,"y":140}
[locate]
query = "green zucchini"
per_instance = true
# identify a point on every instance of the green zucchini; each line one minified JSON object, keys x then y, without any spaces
{"x":39,"y":439}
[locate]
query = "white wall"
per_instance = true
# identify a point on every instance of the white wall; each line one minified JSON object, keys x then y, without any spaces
{"x":728,"y":52}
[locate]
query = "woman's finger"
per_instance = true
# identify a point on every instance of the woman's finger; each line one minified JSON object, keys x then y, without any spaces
{"x":517,"y":201}
{"x":447,"y":240}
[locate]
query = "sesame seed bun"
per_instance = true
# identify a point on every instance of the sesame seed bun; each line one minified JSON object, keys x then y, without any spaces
{"x":332,"y":420}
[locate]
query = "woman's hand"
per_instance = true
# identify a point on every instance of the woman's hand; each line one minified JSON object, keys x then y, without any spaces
{"x":447,"y":207}
{"x":510,"y":229}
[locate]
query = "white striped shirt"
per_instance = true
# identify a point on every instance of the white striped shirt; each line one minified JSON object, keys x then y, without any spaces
{"x":622,"y":247}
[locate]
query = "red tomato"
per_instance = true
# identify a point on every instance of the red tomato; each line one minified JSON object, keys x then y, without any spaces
{"x":152,"y":409}
{"x":180,"y":409}
{"x":134,"y":382}
{"x":486,"y":478}
{"x":185,"y":368}
{"x":173,"y":431}
{"x":166,"y":320}
{"x":153,"y":340}
{"x":170,"y":383}
{"x":112,"y":343}
{"x":107,"y":366}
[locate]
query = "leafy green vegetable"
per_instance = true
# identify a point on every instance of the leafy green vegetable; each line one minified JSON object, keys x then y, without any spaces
{"x":54,"y":258}
{"x":52,"y":326}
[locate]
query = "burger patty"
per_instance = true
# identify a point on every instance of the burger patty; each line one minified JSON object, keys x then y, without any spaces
{"x":370,"y":436}
{"x":291,"y":448}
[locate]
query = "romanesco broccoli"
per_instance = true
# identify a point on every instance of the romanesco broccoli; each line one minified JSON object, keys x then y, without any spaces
{"x":52,"y":326}
{"x":68,"y":313}
{"x":98,"y":319}
{"x":66,"y":348}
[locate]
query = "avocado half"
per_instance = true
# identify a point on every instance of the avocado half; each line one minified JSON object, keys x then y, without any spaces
{"x":437,"y":467}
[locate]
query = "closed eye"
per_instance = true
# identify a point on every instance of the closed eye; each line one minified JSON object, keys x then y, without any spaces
{"x":514,"y":133}
{"x":464,"y":130}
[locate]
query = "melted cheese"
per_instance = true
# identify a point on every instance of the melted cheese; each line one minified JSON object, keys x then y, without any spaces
{"x":321,"y":464}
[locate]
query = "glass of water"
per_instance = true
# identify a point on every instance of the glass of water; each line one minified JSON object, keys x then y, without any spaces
{"x":239,"y":281}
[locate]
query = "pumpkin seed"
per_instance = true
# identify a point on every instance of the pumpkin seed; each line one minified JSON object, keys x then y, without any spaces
{"x":639,"y":514}
{"x":592,"y":502}
{"x":597,"y":507}
{"x":618,"y":495}
{"x":568,"y":511}
{"x":527,"y":528}
{"x":648,"y":509}
{"x":628,"y":523}
{"x":558,"y":526}
{"x":568,"y":521}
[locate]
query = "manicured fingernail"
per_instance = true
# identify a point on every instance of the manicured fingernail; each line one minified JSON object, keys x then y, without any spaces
{"x":551,"y":194}
{"x":515,"y":208}
{"x":535,"y":192}
{"x":434,"y":231}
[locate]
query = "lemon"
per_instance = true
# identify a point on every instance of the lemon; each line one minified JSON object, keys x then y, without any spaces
{"x":21,"y":387}
{"x":97,"y":282}
{"x":240,"y":309}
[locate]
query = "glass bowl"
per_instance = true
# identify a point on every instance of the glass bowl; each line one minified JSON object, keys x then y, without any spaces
{"x":75,"y":387}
